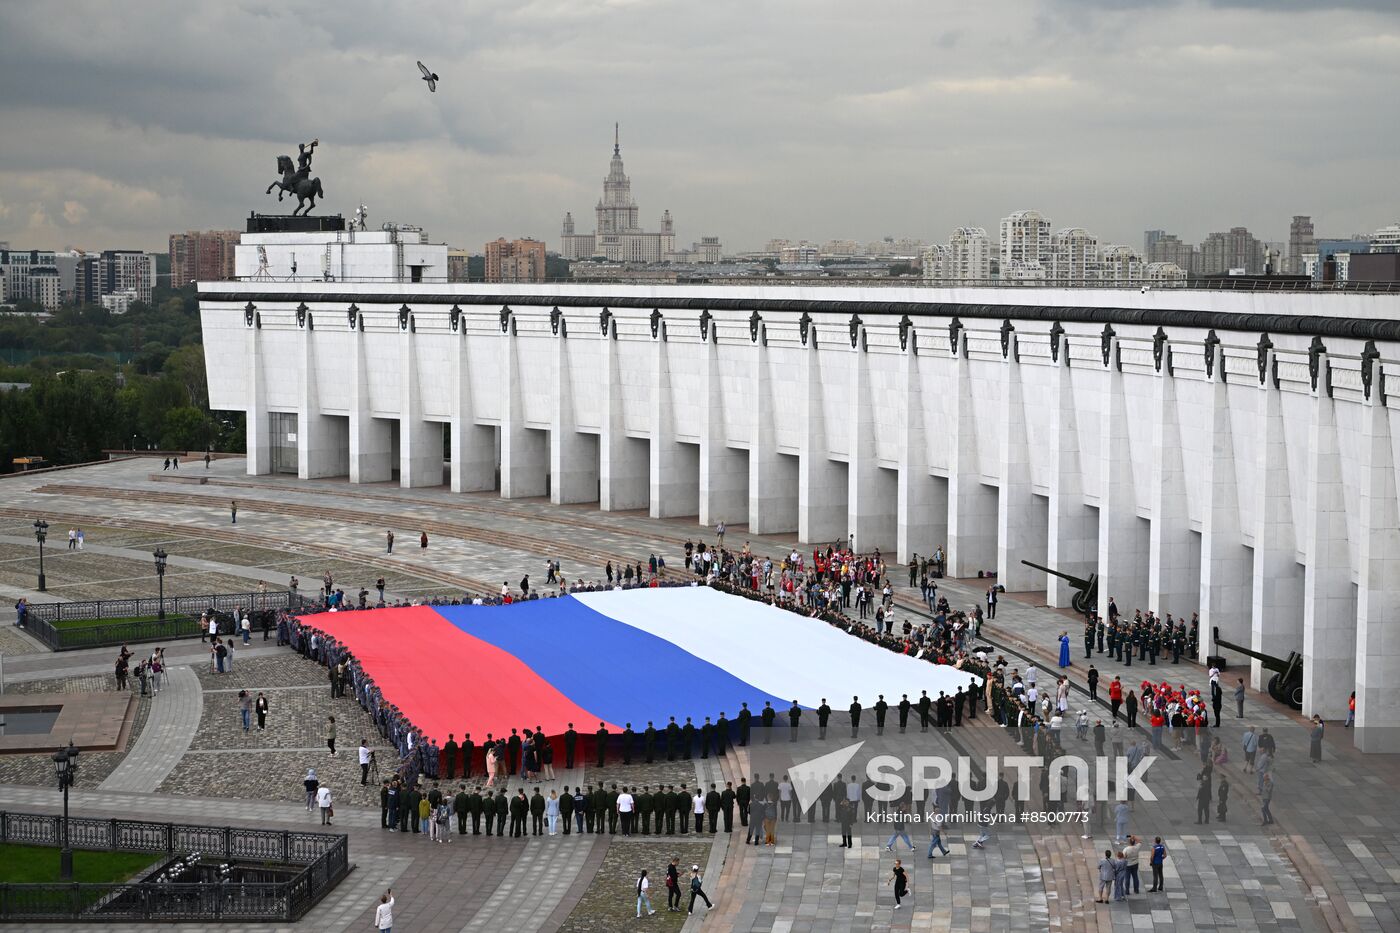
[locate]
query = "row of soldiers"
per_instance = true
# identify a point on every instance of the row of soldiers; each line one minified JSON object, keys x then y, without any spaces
{"x":1147,"y":637}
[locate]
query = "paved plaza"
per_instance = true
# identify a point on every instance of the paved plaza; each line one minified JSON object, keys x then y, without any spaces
{"x":1332,"y":860}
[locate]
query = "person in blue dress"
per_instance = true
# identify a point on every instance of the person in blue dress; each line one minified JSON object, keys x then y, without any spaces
{"x":1064,"y":649}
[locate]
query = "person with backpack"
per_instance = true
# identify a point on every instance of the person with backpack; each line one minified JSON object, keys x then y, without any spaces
{"x":696,"y":889}
{"x":643,"y":898}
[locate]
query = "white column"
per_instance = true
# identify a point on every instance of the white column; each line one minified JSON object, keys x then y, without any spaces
{"x":724,"y":472}
{"x":523,"y":457}
{"x":259,"y":439}
{"x":622,"y":465}
{"x":1378,"y":595}
{"x":317,"y":452}
{"x":675,"y":467}
{"x":1123,"y":543}
{"x":922,"y":519}
{"x":371,"y":439}
{"x":1276,"y":624}
{"x":1227,"y":567}
{"x":1072,"y":537}
{"x":821,"y":487}
{"x":473,"y":445}
{"x":573,"y":459}
{"x":420,"y":442}
{"x":1173,"y":574}
{"x":972,"y":506}
{"x":1021,"y":524}
{"x":871,"y":493}
{"x":772,"y":477}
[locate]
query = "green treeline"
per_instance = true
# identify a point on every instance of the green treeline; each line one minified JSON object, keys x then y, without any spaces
{"x":100,"y":380}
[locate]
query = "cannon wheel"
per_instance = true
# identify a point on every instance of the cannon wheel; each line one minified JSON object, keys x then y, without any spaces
{"x":1295,"y":697}
{"x":1289,"y":694}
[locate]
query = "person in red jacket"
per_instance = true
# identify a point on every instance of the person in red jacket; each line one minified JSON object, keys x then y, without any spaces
{"x":1115,"y":695}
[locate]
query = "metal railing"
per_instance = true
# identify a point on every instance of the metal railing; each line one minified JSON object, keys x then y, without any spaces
{"x":855,"y":280}
{"x":319,"y":862}
{"x":182,"y":617}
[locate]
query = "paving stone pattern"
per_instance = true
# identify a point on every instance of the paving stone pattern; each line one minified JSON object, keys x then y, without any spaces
{"x":610,"y":902}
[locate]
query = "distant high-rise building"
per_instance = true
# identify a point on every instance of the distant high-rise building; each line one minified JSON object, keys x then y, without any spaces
{"x":1025,"y":246}
{"x":1120,"y":265}
{"x":515,"y":260}
{"x":618,"y":236}
{"x":1386,"y":239}
{"x":129,"y":273}
{"x":1300,"y":242}
{"x":1235,"y":249}
{"x":1149,"y":240}
{"x":965,"y":258}
{"x":1074,"y":256}
{"x":1169,"y":248}
{"x":201,"y":256}
{"x":458,"y":261}
{"x":21,"y":267}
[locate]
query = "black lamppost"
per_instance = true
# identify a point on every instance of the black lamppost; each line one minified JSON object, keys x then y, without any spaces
{"x":41,"y":531}
{"x":65,"y":766}
{"x":160,"y":556}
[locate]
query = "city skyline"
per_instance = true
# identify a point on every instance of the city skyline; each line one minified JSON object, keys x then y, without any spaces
{"x":1115,"y":116}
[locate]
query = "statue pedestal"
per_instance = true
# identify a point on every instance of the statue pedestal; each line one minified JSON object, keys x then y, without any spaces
{"x":287,"y":223}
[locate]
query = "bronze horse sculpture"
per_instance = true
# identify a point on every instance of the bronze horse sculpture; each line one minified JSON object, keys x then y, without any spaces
{"x":298,"y":183}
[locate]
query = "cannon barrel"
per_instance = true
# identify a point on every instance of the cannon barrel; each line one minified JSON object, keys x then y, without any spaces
{"x":1266,"y":660}
{"x":1077,"y":582}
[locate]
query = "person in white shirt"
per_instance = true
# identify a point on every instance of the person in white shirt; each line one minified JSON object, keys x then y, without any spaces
{"x":364,"y":763}
{"x":384,"y":912}
{"x":1030,"y":675}
{"x":323,"y":800}
{"x":698,"y":808}
{"x":625,"y":807}
{"x":643,"y":886}
{"x":213,"y":628}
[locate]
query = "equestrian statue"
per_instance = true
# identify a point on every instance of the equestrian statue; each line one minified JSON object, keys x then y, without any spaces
{"x":299,"y":181}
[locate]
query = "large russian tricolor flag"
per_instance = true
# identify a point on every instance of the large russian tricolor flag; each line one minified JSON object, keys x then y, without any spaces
{"x":617,"y":657}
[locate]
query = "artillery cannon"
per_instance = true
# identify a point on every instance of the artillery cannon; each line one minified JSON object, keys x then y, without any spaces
{"x":1286,"y":686}
{"x":1086,"y":597}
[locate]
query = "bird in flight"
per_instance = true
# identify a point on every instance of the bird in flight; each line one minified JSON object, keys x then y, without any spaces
{"x":428,"y":76}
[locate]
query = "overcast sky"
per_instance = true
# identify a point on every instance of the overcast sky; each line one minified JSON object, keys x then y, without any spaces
{"x":748,"y":119}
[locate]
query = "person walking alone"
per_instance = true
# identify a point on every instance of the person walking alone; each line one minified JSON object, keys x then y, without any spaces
{"x":324,"y":802}
{"x":233,"y":512}
{"x":900,"y":881}
{"x":643,"y":898}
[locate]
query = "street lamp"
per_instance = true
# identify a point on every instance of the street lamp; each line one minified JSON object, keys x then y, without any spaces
{"x":41,"y":531}
{"x":160,"y":556}
{"x":65,"y":766}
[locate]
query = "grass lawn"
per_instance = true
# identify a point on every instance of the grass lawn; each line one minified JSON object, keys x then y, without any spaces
{"x":39,"y":864}
{"x":93,"y":623}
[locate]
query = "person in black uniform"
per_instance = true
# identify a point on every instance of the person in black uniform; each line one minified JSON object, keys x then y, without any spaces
{"x":602,"y":735}
{"x":959,"y":699}
{"x":924,"y":705}
{"x":537,"y":813}
{"x":904,"y":706}
{"x":570,"y":741}
{"x":643,"y":802}
{"x":680,"y":804}
{"x":823,"y":714}
{"x":461,"y":806}
{"x":1093,"y":679}
{"x":881,"y":708}
{"x":600,"y":809}
{"x":833,"y":793}
{"x":1089,"y":638}
{"x":712,"y":804}
{"x":743,"y":718}
{"x":612,"y":809}
{"x":726,"y":805}
{"x":721,"y":734}
{"x":973,"y":691}
{"x":666,"y":811}
{"x":628,"y":736}
{"x":794,"y":718}
{"x":502,"y":807}
{"x":687,"y":739}
{"x":1099,"y":630}
{"x":468,"y":749}
{"x":707,"y":737}
{"x":519,"y":806}
{"x":769,"y":714}
{"x":488,"y":806}
{"x":587,"y":809}
{"x":649,"y":741}
{"x":855,"y":716}
{"x":513,"y":746}
{"x":449,"y":756}
{"x":673,"y":739}
{"x":566,"y":808}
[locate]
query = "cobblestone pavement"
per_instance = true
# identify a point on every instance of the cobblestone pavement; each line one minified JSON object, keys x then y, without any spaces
{"x":610,"y":903}
{"x":1331,"y":861}
{"x":37,"y":770}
